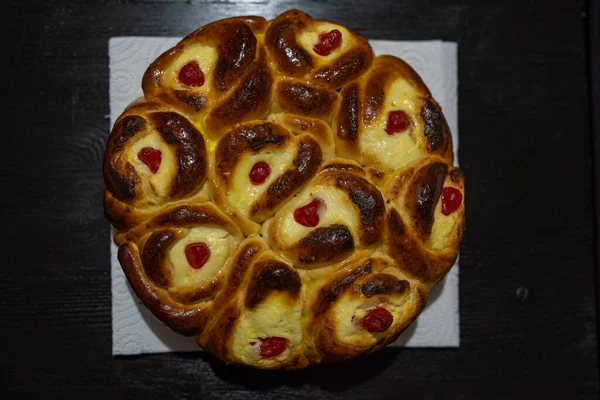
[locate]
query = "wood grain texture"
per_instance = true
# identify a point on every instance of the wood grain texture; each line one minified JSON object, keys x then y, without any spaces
{"x":527,"y":291}
{"x":593,"y":30}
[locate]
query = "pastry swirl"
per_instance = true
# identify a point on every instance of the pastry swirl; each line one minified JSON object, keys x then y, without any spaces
{"x":154,"y":156}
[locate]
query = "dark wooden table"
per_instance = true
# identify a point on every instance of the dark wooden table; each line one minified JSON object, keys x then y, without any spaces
{"x":528,"y":280}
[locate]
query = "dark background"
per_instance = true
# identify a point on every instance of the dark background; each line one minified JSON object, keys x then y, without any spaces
{"x":528,"y":291}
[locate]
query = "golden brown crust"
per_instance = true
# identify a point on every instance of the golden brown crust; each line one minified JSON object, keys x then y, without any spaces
{"x":414,"y":196}
{"x":130,"y":196}
{"x":250,"y":100}
{"x":147,"y":251}
{"x":185,"y":319}
{"x":385,"y":224}
{"x":297,"y":97}
{"x":291,"y":59}
{"x":332,"y":242}
{"x":239,"y":88}
{"x":254,"y":139}
{"x":306,"y":83}
{"x":316,"y":128}
{"x":272,"y":276}
{"x":362,"y":105}
{"x":226,"y":306}
{"x":363,"y":284}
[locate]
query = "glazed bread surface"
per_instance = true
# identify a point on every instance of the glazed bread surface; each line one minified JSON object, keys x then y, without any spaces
{"x":282,"y":194}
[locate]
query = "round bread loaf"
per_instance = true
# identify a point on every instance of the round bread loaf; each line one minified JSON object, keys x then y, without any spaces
{"x":281,"y":194}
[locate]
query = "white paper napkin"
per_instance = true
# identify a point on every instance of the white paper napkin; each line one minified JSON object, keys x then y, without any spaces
{"x":136,"y":331}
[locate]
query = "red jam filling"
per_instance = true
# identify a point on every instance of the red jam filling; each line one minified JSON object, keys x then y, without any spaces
{"x":308,"y":215}
{"x":377,"y":320}
{"x":151,"y":157}
{"x":259,"y":173}
{"x":191,"y":74}
{"x":451,"y":200}
{"x":197,"y":254}
{"x":272,"y":346}
{"x":397,"y":122}
{"x":328,"y":41}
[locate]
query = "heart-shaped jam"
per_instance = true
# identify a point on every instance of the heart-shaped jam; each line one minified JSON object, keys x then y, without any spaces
{"x":308,"y":215}
{"x":451,"y":200}
{"x":272,"y":346}
{"x":328,"y":41}
{"x":397,"y":121}
{"x":151,"y":157}
{"x":259,"y":173}
{"x":191,"y":74}
{"x":377,"y":320}
{"x":197,"y":254}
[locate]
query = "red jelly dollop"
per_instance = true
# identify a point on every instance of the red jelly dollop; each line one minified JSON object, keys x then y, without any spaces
{"x":259,"y":173}
{"x":151,"y":157}
{"x":328,"y":41}
{"x":451,"y":200}
{"x":377,"y":320}
{"x":197,"y":254}
{"x":191,"y":74}
{"x":397,"y":122}
{"x":308,"y":215}
{"x":272,"y":346}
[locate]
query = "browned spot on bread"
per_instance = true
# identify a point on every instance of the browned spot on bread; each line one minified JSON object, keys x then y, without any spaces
{"x":305,"y":99}
{"x":272,"y":276}
{"x":436,"y":128}
{"x":154,"y":256}
{"x":370,"y":204}
{"x":280,"y":39}
{"x":195,"y":101}
{"x":375,"y":88}
{"x":348,"y":118}
{"x":384,"y":284}
{"x":347,"y":67}
{"x":236,"y":48}
{"x":122,"y":182}
{"x":250,"y":99}
{"x":186,"y":216}
{"x":403,"y":247}
{"x":423,"y":194}
{"x":119,"y":175}
{"x":124,"y":130}
{"x":332,"y":291}
{"x":325,"y":244}
{"x":342,"y":167}
{"x":189,"y":148}
{"x":239,"y":267}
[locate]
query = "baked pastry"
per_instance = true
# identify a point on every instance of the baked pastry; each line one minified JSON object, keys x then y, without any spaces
{"x":281,"y":194}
